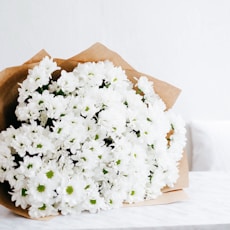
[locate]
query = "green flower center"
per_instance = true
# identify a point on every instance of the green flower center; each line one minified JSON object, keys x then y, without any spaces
{"x":93,"y":201}
{"x":41,"y":188}
{"x":39,"y":146}
{"x":29,"y":166}
{"x":69,"y":190}
{"x":50,"y":174}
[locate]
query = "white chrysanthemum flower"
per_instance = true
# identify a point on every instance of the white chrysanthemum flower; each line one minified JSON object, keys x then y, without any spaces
{"x":145,"y":86}
{"x":48,"y":65}
{"x":40,"y":190}
{"x":6,"y":160}
{"x":38,"y":78}
{"x":41,"y":209}
{"x":19,"y":195}
{"x":71,"y":194}
{"x":67,"y":82}
{"x":30,"y":166}
{"x":93,"y":201}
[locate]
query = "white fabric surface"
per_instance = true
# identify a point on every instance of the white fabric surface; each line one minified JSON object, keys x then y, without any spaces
{"x":210,"y":145}
{"x":208,"y":207}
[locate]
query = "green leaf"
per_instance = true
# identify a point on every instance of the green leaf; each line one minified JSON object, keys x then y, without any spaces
{"x":24,"y":192}
{"x":96,"y":137}
{"x":87,"y":186}
{"x":43,"y":207}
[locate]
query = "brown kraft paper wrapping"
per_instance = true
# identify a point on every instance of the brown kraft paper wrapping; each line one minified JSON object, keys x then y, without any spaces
{"x":10,"y":77}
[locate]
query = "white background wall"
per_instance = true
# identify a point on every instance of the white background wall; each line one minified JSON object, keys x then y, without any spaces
{"x":184,"y":42}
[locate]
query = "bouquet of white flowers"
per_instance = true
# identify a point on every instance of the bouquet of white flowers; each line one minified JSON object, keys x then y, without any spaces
{"x":88,"y":139}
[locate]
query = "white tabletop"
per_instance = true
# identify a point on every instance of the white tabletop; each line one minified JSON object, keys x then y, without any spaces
{"x":208,"y":207}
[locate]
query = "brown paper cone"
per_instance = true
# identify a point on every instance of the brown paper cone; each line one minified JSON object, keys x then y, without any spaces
{"x":10,"y":77}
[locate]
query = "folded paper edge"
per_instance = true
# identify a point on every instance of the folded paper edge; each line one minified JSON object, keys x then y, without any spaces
{"x":37,"y":57}
{"x":165,"y":198}
{"x":183,"y":178}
